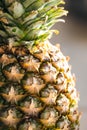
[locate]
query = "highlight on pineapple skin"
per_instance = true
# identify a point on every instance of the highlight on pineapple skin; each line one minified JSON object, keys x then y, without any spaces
{"x":37,"y":88}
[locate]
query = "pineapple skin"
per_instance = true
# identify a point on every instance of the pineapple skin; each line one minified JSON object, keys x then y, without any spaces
{"x":37,"y":89}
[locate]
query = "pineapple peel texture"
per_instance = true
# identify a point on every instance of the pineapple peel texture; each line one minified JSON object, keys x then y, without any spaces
{"x":37,"y":88}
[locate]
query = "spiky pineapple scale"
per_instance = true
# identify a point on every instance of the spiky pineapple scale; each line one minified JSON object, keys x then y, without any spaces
{"x":37,"y":89}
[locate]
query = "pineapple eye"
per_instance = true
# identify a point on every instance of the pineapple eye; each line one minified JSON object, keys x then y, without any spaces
{"x":47,"y":67}
{"x":7,"y":59}
{"x":62,"y":103}
{"x":11,"y":116}
{"x":31,"y":106}
{"x":29,"y":63}
{"x":63,"y":123}
{"x":49,"y":117}
{"x":13,"y":73}
{"x":49,"y":95}
{"x":60,"y":78}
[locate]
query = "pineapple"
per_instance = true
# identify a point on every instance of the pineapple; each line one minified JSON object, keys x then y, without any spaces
{"x":37,"y":89}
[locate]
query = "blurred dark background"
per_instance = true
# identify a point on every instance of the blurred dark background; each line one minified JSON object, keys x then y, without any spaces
{"x":78,"y":8}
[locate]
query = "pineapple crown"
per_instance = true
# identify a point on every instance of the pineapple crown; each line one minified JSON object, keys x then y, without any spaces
{"x":29,"y":21}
